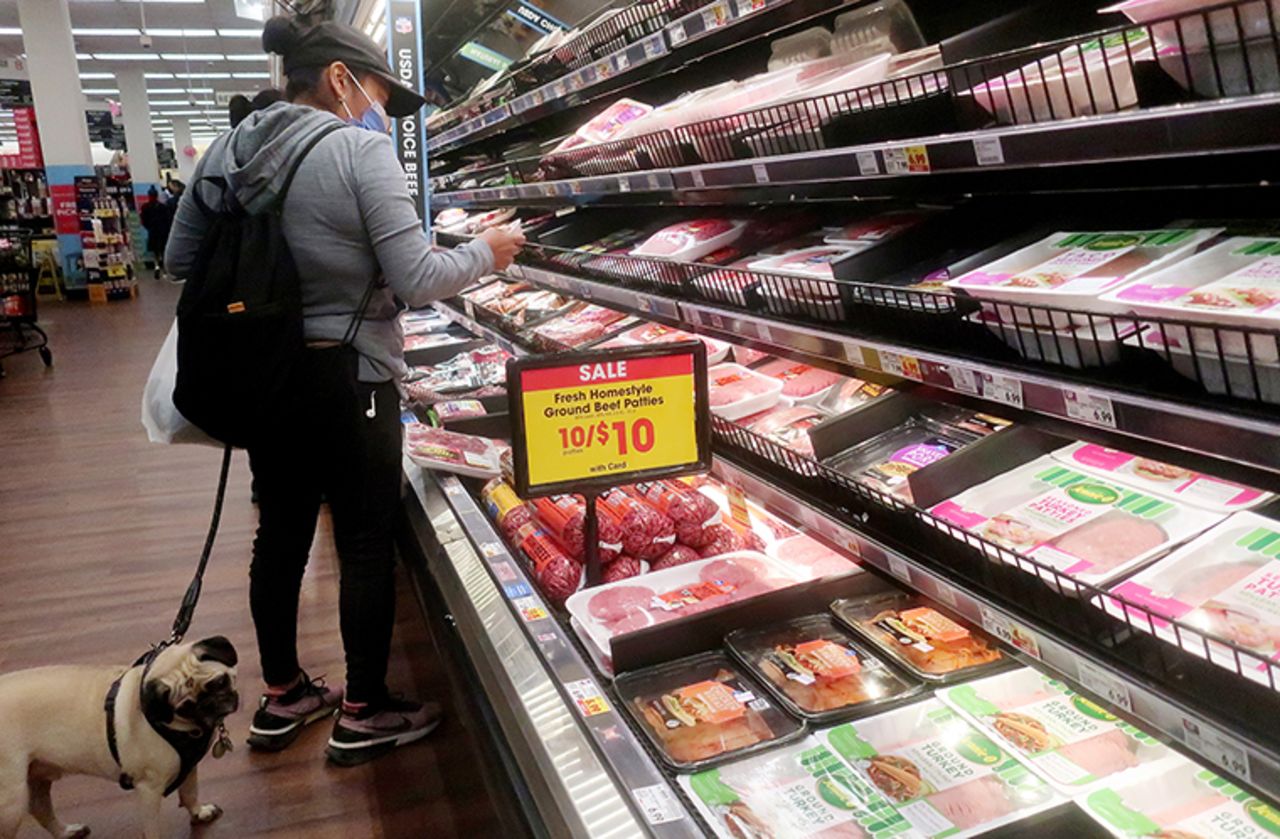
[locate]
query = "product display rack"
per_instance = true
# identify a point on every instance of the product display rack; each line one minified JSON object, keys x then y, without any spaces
{"x":1219,"y":414}
{"x":107,"y":238}
{"x":18,"y":298}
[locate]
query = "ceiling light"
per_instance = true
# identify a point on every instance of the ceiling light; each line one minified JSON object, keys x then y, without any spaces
{"x":181,"y":33}
{"x":240,"y":33}
{"x":202,"y":75}
{"x":186,"y":113}
{"x":97,"y":75}
{"x":83,"y":56}
{"x":126,"y":56}
{"x":95,"y":31}
{"x":252,"y":75}
{"x":162,"y":90}
{"x":10,"y":30}
{"x":379,"y":32}
{"x":99,"y":91}
{"x":250,"y":57}
{"x":158,"y":75}
{"x":194,"y":56}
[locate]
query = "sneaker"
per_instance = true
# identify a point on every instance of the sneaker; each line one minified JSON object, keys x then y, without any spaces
{"x":363,"y":732}
{"x":280,"y":719}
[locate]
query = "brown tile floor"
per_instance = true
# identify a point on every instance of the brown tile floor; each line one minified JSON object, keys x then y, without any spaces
{"x":99,"y":532}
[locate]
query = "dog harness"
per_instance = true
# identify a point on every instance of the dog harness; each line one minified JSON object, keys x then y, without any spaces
{"x":191,"y":748}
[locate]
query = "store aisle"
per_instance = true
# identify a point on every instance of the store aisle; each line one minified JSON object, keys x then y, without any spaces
{"x":99,"y":533}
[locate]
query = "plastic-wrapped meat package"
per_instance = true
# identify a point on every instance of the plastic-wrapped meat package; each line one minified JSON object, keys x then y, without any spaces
{"x":646,"y":532}
{"x":788,"y":427}
{"x":735,"y":392}
{"x":448,"y":218}
{"x":810,"y":558}
{"x":678,"y":555}
{"x":505,"y":508}
{"x":557,"y":575}
{"x":866,"y":233}
{"x":576,"y":328}
{"x":703,"y":708}
{"x":689,"y":240}
{"x":1087,"y":528}
{"x":447,"y":412}
{"x":1078,"y":745}
{"x":762,"y":232}
{"x":491,"y":218}
{"x":810,"y":262}
{"x":648,"y":334}
{"x":488,"y":294}
{"x":422,"y":322}
{"x":730,"y":284}
{"x":563,"y":517}
{"x":692,"y":513}
{"x":886,"y":462}
{"x":801,"y":382}
{"x":539,"y":306}
{"x":448,"y":451}
{"x":747,"y":356}
{"x":1224,"y":583}
{"x":607,"y":124}
{"x":939,"y":772}
{"x":425,"y":341}
{"x":622,"y":568}
{"x":788,"y":792}
{"x":851,"y":394}
{"x":751,"y":524}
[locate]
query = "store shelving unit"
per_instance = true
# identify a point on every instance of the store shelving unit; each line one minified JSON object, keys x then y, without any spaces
{"x":1221,"y":414}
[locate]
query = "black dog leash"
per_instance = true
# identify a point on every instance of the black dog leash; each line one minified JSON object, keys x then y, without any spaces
{"x":190,"y":749}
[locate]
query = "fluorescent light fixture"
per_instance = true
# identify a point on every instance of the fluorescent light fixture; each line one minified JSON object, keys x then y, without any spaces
{"x":99,"y":91}
{"x":202,"y":75}
{"x":186,"y":113}
{"x":158,"y":75}
{"x":97,"y":75}
{"x":83,"y":56}
{"x":240,"y":33}
{"x":194,"y":56}
{"x":126,"y":56}
{"x":92,"y":31}
{"x":164,"y":90}
{"x":379,"y":32}
{"x":248,"y":57}
{"x":252,"y":75}
{"x":10,"y":30}
{"x":181,"y":33}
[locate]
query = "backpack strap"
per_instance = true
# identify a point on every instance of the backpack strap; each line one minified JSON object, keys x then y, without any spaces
{"x":297,"y":161}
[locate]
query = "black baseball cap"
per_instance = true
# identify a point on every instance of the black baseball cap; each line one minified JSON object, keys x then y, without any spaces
{"x":323,"y":43}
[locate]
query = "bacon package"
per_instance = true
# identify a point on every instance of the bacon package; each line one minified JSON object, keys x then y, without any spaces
{"x":797,"y":790}
{"x":563,"y":516}
{"x":701,"y":709}
{"x":1225,"y":583}
{"x":1076,"y":744}
{"x":646,"y":532}
{"x":941,"y":773}
{"x":818,"y":670}
{"x":1089,"y":529}
{"x":920,"y":637}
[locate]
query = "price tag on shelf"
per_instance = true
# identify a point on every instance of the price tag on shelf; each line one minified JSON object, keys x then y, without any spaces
{"x":746,"y":7}
{"x":655,"y":183}
{"x":530,"y":609}
{"x":964,"y":379}
{"x":698,"y":180}
{"x":654,"y":47}
{"x":587,"y":696}
{"x":516,"y":590}
{"x":867,"y":163}
{"x":575,"y":187}
{"x":715,"y":320}
{"x":644,"y":304}
{"x":900,"y":569}
{"x":1104,"y":685}
{"x":658,"y":803}
{"x":904,"y":366}
{"x":764,"y":333}
{"x":946,"y":595}
{"x":492,"y":549}
{"x":988,"y":151}
{"x":677,"y":34}
{"x":715,"y":16}
{"x":621,"y":61}
{"x":1092,"y":408}
{"x":1010,"y":631}
{"x":760,"y":172}
{"x":624,"y":184}
{"x":906,"y":160}
{"x":1005,"y":389}
{"x":1218,"y":747}
{"x":559,"y":90}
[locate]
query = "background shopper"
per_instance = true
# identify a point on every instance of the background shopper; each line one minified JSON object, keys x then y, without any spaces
{"x":349,"y":220}
{"x":156,"y":218}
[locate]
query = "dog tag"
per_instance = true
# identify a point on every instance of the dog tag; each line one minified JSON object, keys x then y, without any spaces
{"x":223,"y":744}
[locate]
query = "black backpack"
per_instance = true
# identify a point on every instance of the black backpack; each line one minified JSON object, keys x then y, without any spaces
{"x":240,"y":329}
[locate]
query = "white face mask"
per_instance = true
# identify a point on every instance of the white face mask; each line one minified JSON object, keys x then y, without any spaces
{"x":374,"y":117}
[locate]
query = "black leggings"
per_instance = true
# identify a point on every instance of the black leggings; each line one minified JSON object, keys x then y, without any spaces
{"x":354,"y":461}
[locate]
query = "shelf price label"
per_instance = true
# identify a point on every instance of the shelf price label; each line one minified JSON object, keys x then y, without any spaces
{"x":1004,"y":389}
{"x":907,"y":160}
{"x":716,"y":15}
{"x":1105,"y":685}
{"x":1092,"y":408}
{"x":903,"y":366}
{"x":677,"y":34}
{"x":601,"y":418}
{"x":1219,"y":748}
{"x":1010,"y":631}
{"x":587,"y":696}
{"x":746,"y":7}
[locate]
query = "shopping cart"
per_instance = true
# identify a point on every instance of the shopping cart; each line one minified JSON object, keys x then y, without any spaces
{"x":19,"y":331}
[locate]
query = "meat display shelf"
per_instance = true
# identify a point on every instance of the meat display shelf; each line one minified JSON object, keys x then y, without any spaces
{"x":1235,"y":753}
{"x":1093,"y":411}
{"x":602,"y":75}
{"x":1184,"y":134}
{"x":601,"y":782}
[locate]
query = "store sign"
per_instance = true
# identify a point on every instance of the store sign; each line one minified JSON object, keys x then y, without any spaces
{"x":404,"y":51}
{"x":15,"y":92}
{"x":66,"y":215}
{"x":597,"y":419}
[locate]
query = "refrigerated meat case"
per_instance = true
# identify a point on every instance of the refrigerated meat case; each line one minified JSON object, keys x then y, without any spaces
{"x":1191,"y":130}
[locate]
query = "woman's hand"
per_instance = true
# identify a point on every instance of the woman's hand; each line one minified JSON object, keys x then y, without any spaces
{"x":505,"y":242}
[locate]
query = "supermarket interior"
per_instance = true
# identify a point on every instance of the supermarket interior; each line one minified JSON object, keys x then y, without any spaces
{"x":662,"y":418}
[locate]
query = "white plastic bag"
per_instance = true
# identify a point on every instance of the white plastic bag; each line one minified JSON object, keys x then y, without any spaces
{"x":162,"y":420}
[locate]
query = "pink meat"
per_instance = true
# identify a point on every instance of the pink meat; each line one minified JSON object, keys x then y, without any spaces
{"x":1111,"y":539}
{"x":633,"y":622}
{"x":973,"y":804}
{"x":799,"y":380}
{"x":1200,"y":584}
{"x":809,"y":553}
{"x":618,"y":602}
{"x":736,"y":572}
{"x":558,"y":579}
{"x":747,"y":356}
{"x":721,"y":539}
{"x":1103,"y":755}
{"x":678,"y":555}
{"x":622,"y":568}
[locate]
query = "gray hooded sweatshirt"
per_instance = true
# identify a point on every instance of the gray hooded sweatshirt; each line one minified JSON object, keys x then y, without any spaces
{"x":348,"y":217}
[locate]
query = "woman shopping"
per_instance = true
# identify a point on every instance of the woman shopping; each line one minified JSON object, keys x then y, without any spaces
{"x":350,"y":221}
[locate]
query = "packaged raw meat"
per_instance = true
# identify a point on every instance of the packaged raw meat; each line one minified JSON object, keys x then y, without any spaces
{"x":563,"y":516}
{"x":422,"y":322}
{"x":690,"y":511}
{"x":817,"y":670}
{"x":447,"y":412}
{"x":622,"y":568}
{"x":674,"y":593}
{"x":1074,"y":270}
{"x":448,"y":451}
{"x":736,"y":392}
{"x":748,"y":357}
{"x":1089,"y":529}
{"x":754,"y":526}
{"x":489,"y":218}
{"x":1226,"y":583}
{"x":556,"y":575}
{"x":486,"y":294}
{"x":1234,"y":283}
{"x":1162,"y":479}
{"x":810,"y":262}
{"x":885,"y":462}
{"x":850,"y":394}
{"x":1180,"y":801}
{"x":647,"y":334}
{"x":699,"y":710}
{"x":802,"y":383}
{"x":689,"y":240}
{"x":448,"y":218}
{"x":798,"y":790}
{"x":678,"y":555}
{"x":817,"y":560}
{"x":425,"y":341}
{"x":788,"y":427}
{"x":1076,"y":744}
{"x":917,"y":635}
{"x":609,"y":123}
{"x":646,"y":532}
{"x":943,"y":775}
{"x":505,"y":508}
{"x":721,"y":539}
{"x":576,"y":328}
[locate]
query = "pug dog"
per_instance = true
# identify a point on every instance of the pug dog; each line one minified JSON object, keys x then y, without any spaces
{"x":53,"y":722}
